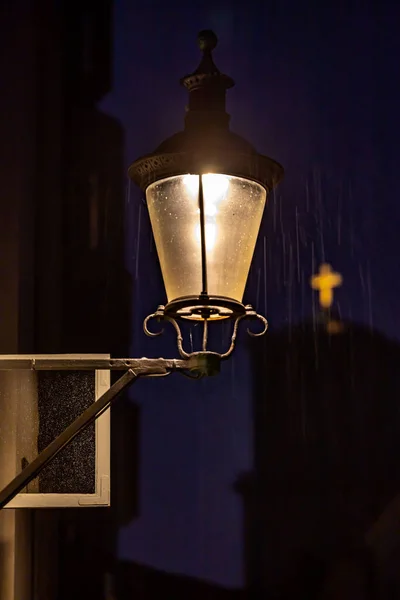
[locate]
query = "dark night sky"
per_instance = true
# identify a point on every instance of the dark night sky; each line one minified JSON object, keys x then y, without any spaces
{"x":317,"y":89}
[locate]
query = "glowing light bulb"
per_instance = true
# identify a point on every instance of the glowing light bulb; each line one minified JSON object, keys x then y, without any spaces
{"x":191,"y":183}
{"x":210,"y":231}
{"x":215,"y":187}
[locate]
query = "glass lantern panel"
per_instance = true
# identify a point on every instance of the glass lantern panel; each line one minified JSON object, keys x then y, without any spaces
{"x":233,"y":208}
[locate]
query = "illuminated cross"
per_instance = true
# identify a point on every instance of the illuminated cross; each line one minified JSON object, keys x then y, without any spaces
{"x":325,"y":282}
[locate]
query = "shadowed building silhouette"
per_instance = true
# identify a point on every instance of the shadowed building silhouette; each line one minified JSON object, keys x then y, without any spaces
{"x":95,"y":287}
{"x":144,"y":583}
{"x":327,"y":442}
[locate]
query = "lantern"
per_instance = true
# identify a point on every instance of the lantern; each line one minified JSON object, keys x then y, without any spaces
{"x":206,"y":189}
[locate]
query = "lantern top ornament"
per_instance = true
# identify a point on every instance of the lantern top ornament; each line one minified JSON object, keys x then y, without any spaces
{"x":207,"y":40}
{"x":207,"y":74}
{"x":206,"y":145}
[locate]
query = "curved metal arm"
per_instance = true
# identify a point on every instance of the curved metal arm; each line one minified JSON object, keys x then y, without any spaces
{"x":250,"y":314}
{"x":233,"y":338}
{"x":159,"y":314}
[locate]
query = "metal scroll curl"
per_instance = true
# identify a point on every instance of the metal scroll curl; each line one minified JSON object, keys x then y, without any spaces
{"x":264,"y":329}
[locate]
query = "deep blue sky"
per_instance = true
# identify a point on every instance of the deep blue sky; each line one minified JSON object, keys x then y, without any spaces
{"x":317,"y":89}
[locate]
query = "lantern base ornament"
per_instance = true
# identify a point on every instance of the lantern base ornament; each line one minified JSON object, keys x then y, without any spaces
{"x":197,"y":308}
{"x":246,"y":312}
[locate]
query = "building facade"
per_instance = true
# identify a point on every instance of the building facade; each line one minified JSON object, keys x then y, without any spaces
{"x":63,"y":287}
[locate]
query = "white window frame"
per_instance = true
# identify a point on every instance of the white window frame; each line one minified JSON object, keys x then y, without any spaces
{"x":101,"y":496}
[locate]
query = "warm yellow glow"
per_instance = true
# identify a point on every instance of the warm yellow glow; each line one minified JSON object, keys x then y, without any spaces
{"x":325,"y":282}
{"x":211,"y":235}
{"x":215,"y":188}
{"x":191,"y":182}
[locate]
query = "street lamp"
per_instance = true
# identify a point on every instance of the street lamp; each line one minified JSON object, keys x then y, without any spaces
{"x":206,"y":189}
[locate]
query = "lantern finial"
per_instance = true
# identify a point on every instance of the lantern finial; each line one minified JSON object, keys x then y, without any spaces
{"x":207,"y":40}
{"x":207,"y":89}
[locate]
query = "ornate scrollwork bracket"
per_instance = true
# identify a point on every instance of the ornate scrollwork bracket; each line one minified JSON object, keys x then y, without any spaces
{"x":160,"y":315}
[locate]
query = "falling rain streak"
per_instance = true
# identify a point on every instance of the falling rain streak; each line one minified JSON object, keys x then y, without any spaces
{"x":265,"y":277}
{"x":301,"y":231}
{"x":139,"y":225}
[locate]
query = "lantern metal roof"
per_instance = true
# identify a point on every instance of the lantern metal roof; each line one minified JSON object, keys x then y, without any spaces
{"x":206,"y":145}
